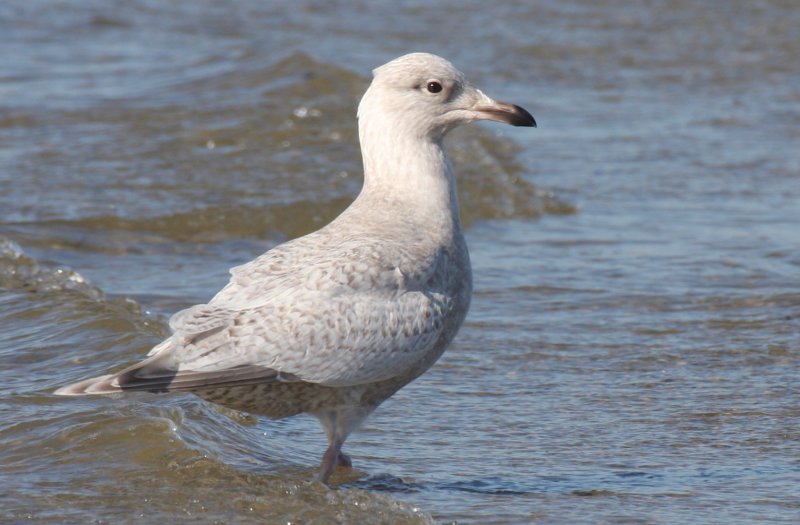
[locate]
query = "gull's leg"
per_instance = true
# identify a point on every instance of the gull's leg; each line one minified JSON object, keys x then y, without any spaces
{"x":338,"y":423}
{"x":333,"y":457}
{"x":344,"y":460}
{"x":330,"y":460}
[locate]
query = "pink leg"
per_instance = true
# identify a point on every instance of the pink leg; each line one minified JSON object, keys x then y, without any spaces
{"x":330,"y":459}
{"x":344,"y":460}
{"x":337,"y":424}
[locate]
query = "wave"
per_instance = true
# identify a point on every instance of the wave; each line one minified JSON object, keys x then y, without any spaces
{"x":19,"y":272}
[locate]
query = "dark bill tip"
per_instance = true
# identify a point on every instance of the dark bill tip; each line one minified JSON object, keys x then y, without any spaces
{"x":508,"y":113}
{"x":522,"y":117}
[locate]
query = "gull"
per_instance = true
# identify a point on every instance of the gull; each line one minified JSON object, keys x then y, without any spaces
{"x":335,"y":322}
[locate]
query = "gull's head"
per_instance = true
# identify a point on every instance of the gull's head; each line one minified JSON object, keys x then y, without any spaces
{"x":427,"y":96}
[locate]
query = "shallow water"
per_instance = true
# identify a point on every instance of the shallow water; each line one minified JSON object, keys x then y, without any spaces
{"x":631,"y":353}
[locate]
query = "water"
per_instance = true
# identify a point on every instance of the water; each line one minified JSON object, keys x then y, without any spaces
{"x":632,"y":350}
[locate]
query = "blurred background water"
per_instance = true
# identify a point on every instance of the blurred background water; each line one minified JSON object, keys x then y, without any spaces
{"x":631,"y":355}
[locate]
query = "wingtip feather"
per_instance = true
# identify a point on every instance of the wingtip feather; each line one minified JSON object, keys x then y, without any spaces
{"x":96,"y":385}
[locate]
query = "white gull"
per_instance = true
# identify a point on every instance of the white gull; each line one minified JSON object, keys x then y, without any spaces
{"x":335,"y":322}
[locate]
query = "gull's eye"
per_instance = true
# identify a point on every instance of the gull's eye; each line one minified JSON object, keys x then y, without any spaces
{"x":434,"y":86}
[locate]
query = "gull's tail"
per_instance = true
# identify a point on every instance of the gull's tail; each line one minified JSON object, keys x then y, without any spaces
{"x":160,"y":373}
{"x":97,"y":385}
{"x":149,"y":375}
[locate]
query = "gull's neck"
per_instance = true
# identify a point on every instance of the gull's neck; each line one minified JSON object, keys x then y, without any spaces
{"x":408,"y":174}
